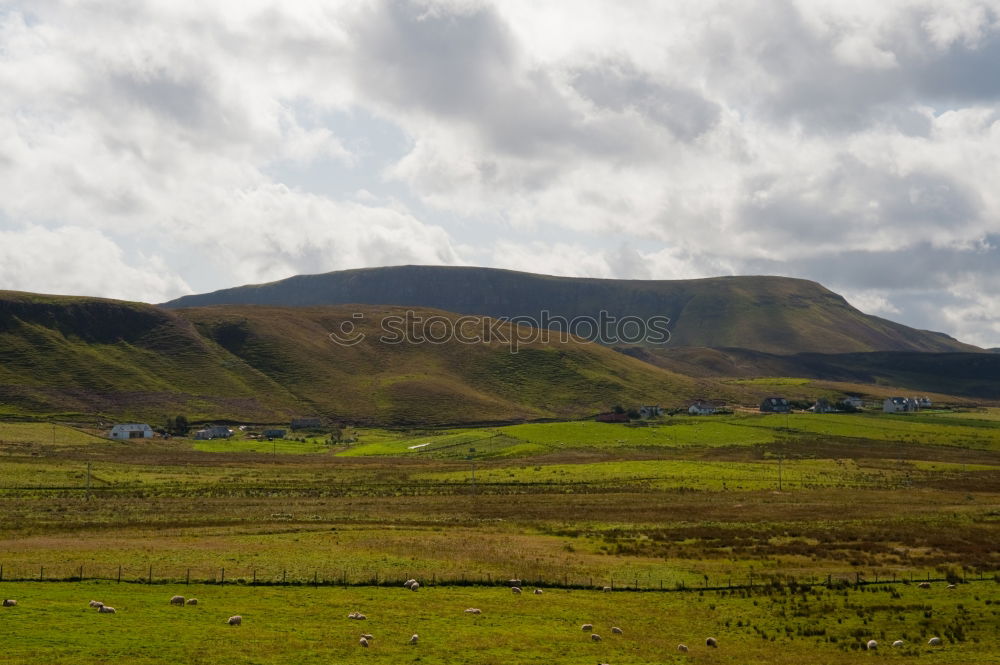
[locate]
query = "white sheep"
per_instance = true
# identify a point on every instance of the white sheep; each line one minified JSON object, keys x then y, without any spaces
{"x":9,"y":602}
{"x":594,"y":637}
{"x":368,"y":636}
{"x":934,"y":642}
{"x":924,"y":585}
{"x":872,"y":645}
{"x":898,"y":643}
{"x":409,"y":582}
{"x":413,"y":638}
{"x":177,"y":600}
{"x":538,"y":592}
{"x":235,"y":620}
{"x":587,"y":627}
{"x":363,"y":642}
{"x":473,"y":610}
{"x":96,"y":603}
{"x":104,"y":609}
{"x":414,"y":586}
{"x":951,"y":587}
{"x":711,"y":642}
{"x":192,"y":601}
{"x":682,"y":648}
{"x":617,"y":631}
{"x":606,"y":589}
{"x":360,"y":617}
{"x":515,"y":589}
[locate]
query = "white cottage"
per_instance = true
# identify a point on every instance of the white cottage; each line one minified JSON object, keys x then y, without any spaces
{"x":132,"y":431}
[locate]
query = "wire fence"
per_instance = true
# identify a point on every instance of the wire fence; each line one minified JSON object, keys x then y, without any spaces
{"x":153,"y":574}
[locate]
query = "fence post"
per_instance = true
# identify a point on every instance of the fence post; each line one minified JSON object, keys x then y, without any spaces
{"x":81,"y":572}
{"x":149,"y":580}
{"x":283,"y":572}
{"x":187,"y":577}
{"x":315,"y":577}
{"x":254,"y":583}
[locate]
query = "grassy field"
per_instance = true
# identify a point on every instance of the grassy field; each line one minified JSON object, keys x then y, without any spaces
{"x":310,"y":625}
{"x":686,"y":503}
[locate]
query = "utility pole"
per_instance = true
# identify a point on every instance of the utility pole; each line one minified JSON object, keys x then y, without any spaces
{"x":88,"y":483}
{"x":780,"y":458}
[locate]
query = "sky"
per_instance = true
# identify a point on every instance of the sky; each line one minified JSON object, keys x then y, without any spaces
{"x":155,"y":148}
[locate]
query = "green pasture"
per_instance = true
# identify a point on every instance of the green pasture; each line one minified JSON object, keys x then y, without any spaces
{"x":52,"y":623}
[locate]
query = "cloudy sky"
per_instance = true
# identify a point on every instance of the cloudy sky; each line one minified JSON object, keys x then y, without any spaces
{"x":154,"y":148}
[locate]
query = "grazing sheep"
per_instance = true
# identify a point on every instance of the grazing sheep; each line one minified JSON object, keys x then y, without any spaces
{"x":711,"y":642}
{"x":594,"y":637}
{"x":924,"y":585}
{"x":409,"y":583}
{"x":872,"y":645}
{"x":515,"y":589}
{"x":682,"y":648}
{"x":617,"y":631}
{"x":413,"y":638}
{"x":934,"y":642}
{"x":368,"y":636}
{"x":96,"y":603}
{"x":473,"y":610}
{"x":587,"y":627}
{"x":360,"y":617}
{"x":414,"y":586}
{"x":236,"y":620}
{"x":607,"y":588}
{"x":192,"y":601}
{"x":177,"y":600}
{"x":538,"y":592}
{"x":363,"y":642}
{"x":104,"y":609}
{"x":9,"y":602}
{"x":898,"y":643}
{"x":352,"y":615}
{"x":951,"y":587}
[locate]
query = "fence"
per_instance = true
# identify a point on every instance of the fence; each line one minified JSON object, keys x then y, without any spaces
{"x":151,"y":574}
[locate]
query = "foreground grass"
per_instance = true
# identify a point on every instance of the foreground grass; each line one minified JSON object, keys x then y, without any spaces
{"x":309,"y":625}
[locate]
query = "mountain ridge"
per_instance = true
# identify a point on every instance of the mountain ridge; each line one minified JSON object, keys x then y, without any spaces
{"x":763,"y":313}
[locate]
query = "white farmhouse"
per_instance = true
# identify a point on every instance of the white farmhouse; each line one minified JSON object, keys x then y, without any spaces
{"x":132,"y":431}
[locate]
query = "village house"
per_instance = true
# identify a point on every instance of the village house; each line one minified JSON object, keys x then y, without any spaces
{"x":701,"y":409}
{"x":131,"y":431}
{"x":822,"y":405}
{"x":646,"y":412}
{"x":899,"y":405}
{"x":273,"y":434}
{"x":775,"y":405}
{"x":213,"y":432}
{"x":306,"y":423}
{"x":853,"y":402}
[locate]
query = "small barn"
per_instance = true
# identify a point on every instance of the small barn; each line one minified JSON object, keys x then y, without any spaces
{"x":273,"y":434}
{"x":306,"y":423}
{"x":213,"y":432}
{"x":775,"y":405}
{"x":646,"y":412}
{"x":131,"y":431}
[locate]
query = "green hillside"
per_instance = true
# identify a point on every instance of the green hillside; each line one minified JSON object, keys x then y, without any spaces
{"x":771,"y":314}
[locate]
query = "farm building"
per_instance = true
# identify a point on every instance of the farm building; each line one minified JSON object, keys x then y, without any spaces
{"x":701,"y":409}
{"x":853,"y":402}
{"x":775,"y":405}
{"x":650,"y":411}
{"x":306,"y":423}
{"x":822,"y":405}
{"x":213,"y":432}
{"x":900,"y":405}
{"x":131,"y":431}
{"x":273,"y":434}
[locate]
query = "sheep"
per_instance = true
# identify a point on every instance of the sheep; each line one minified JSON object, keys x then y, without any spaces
{"x":408,"y":583}
{"x":235,"y":620}
{"x":104,"y":609}
{"x":898,"y":643}
{"x":711,"y":642}
{"x":606,"y":589}
{"x":192,"y":601}
{"x":682,"y":648}
{"x":594,"y":637}
{"x":96,"y":603}
{"x":473,"y":610}
{"x":352,"y":615}
{"x":413,"y":638}
{"x":587,"y":627}
{"x":515,"y":589}
{"x":872,"y":645}
{"x":538,"y":592}
{"x":924,"y":585}
{"x":934,"y":642}
{"x":951,"y":587}
{"x":617,"y":631}
{"x":9,"y":602}
{"x":414,"y":586}
{"x":363,"y":642}
{"x":360,"y":617}
{"x":368,"y":636}
{"x":177,"y":600}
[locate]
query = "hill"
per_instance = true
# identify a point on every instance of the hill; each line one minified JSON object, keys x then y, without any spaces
{"x":777,"y":315}
{"x":113,"y":359}
{"x":956,"y":373}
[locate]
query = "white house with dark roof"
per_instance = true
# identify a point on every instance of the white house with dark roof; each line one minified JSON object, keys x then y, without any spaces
{"x":131,"y":431}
